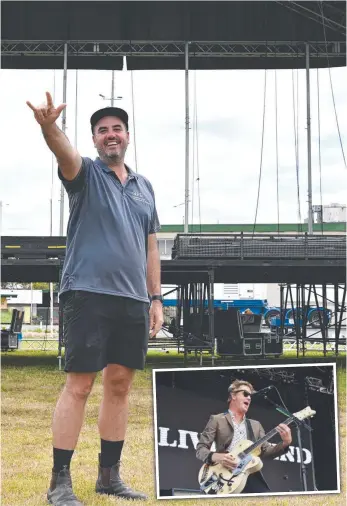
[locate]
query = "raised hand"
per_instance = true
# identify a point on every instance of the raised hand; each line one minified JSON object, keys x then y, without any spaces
{"x":46,"y":114}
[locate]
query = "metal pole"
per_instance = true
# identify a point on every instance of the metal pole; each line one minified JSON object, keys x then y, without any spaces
{"x":112,"y":89}
{"x":51,"y":307}
{"x":186,"y":194}
{"x":50,"y":216}
{"x":31,"y":303}
{"x":61,"y":225}
{"x":309,"y":168}
{"x":336,"y":310}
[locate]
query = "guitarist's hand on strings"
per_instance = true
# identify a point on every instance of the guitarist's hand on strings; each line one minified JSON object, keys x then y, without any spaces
{"x":225,"y":459}
{"x":285,"y":433}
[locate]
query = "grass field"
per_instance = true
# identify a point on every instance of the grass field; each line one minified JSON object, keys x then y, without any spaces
{"x":31,"y":384}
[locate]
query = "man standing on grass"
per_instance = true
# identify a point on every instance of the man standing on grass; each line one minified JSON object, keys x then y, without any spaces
{"x":112,"y":263}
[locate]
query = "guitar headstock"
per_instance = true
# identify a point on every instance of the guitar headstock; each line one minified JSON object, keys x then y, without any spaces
{"x":305,"y":413}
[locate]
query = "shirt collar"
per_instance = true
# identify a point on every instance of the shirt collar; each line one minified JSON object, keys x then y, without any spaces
{"x":106,"y":168}
{"x":233,"y":417}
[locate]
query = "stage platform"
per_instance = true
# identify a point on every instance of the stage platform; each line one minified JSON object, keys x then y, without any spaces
{"x":177,"y":272}
{"x":277,"y":259}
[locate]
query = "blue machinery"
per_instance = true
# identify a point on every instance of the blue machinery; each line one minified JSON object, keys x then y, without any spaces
{"x":271,"y":314}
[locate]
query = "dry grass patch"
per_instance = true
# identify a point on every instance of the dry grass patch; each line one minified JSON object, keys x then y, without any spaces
{"x":30,"y":386}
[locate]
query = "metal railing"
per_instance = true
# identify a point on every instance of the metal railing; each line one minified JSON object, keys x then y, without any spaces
{"x":246,"y":246}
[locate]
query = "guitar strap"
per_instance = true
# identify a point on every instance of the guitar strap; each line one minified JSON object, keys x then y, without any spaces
{"x":250,"y":432}
{"x":250,"y":435}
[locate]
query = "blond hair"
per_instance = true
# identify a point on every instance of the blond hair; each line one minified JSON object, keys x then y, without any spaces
{"x":236,"y":386}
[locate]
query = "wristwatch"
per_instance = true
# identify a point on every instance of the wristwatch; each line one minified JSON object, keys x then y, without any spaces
{"x":157,"y":297}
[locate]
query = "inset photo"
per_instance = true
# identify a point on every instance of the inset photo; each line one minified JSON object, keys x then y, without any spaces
{"x":266,"y":430}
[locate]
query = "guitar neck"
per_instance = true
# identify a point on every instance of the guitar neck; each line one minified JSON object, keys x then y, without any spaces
{"x":267,"y":436}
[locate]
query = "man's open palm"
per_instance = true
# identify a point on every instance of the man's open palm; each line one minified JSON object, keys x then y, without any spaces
{"x":46,"y":114}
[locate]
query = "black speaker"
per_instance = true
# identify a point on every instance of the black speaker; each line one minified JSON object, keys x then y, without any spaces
{"x":228,"y":324}
{"x":253,"y":346}
{"x":229,"y":346}
{"x":9,"y":340}
{"x":251,"y":322}
{"x":18,"y":322}
{"x":273,"y":345}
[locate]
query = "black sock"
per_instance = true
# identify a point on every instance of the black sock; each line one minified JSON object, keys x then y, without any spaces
{"x":110,"y":452}
{"x":61,"y":458}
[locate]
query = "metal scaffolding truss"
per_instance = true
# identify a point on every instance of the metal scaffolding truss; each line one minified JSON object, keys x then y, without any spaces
{"x":197,"y":49}
{"x":286,"y":376}
{"x":274,"y":374}
{"x":317,"y":385}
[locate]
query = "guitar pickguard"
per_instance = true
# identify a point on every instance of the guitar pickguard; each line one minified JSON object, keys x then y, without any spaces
{"x":242,"y":464}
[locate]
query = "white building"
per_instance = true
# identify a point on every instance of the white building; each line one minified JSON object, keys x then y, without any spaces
{"x":333,"y":213}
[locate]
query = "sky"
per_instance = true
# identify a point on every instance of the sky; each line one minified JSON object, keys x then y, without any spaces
{"x":226,"y":117}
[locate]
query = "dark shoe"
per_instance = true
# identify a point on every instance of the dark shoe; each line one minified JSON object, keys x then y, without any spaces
{"x":109,"y":482}
{"x":60,"y":491}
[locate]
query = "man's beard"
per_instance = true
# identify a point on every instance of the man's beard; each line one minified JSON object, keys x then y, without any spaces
{"x":111,"y":158}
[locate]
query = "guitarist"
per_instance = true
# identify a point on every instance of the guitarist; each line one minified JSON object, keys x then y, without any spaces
{"x":229,"y":428}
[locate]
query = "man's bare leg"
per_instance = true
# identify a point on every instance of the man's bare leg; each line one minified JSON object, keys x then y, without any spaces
{"x":67,"y":422}
{"x":69,"y":412}
{"x":113,"y":419}
{"x":113,"y":416}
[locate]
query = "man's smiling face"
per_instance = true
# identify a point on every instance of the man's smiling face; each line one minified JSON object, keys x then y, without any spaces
{"x":111,"y":139}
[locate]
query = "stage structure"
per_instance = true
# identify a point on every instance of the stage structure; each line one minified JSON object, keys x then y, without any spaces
{"x":305,"y":261}
{"x":291,"y":35}
{"x":293,"y":317}
{"x":179,"y":35}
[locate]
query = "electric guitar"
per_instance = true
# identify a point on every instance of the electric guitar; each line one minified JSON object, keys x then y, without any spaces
{"x":217,"y":479}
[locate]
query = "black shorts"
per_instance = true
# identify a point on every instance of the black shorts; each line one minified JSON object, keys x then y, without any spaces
{"x":103,"y":329}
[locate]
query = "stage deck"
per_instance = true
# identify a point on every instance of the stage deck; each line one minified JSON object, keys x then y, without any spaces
{"x":178,"y":272}
{"x":275,"y":259}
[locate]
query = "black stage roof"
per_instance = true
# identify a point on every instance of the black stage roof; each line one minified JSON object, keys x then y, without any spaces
{"x":223,"y":35}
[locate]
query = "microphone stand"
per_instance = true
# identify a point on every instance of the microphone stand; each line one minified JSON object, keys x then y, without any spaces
{"x":310,"y":439}
{"x":298,"y":423}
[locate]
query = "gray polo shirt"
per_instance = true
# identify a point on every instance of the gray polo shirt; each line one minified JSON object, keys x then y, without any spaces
{"x":107,"y":233}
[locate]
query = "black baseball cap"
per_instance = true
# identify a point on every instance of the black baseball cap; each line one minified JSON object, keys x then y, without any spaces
{"x":109,"y":111}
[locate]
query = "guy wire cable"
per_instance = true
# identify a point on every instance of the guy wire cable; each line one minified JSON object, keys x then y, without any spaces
{"x":277,"y":177}
{"x":300,"y":228}
{"x":197,"y":157}
{"x":295,"y":113}
{"x":289,"y":5}
{"x":319,"y":153}
{"x":261,"y":153}
{"x":193,"y":161}
{"x":331,"y":84}
{"x":52,"y":171}
{"x":133,"y":111}
{"x":76,"y":107}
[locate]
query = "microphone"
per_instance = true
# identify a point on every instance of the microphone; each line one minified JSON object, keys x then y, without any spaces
{"x":263,"y":391}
